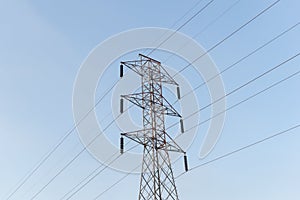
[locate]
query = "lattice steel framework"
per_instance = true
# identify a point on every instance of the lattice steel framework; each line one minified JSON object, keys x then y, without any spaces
{"x":157,"y":179}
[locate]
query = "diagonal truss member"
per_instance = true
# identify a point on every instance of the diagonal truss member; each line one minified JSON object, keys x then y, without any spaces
{"x":157,"y":179}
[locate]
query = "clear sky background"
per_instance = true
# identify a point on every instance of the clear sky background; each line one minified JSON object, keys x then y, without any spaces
{"x":42,"y":45}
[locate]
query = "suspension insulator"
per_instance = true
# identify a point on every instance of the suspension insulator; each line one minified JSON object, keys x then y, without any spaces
{"x":181,"y":126}
{"x":121,"y":105}
{"x":186,"y":163}
{"x":178,"y":92}
{"x":121,"y":71}
{"x":121,"y":145}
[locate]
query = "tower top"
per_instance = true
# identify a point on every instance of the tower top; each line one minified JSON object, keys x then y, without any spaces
{"x":151,"y":59}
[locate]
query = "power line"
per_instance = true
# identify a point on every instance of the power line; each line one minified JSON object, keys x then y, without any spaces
{"x":47,"y":156}
{"x":252,"y":96}
{"x":205,"y":28}
{"x":242,"y":148}
{"x":228,"y":154}
{"x":218,"y":17}
{"x":240,"y":87}
{"x":75,"y":128}
{"x":178,"y":20}
{"x":230,"y":107}
{"x":240,"y":60}
{"x":227,"y":37}
{"x":51,"y":169}
{"x":243,"y":58}
{"x":95,"y":175}
{"x":125,"y":110}
{"x":77,"y":155}
{"x":247,"y":99}
{"x":237,"y":62}
{"x":81,"y":182}
{"x":186,"y":13}
{"x":87,"y":177}
{"x":180,"y":27}
{"x":117,"y":182}
{"x":73,"y":159}
{"x":158,"y":47}
{"x":252,"y":80}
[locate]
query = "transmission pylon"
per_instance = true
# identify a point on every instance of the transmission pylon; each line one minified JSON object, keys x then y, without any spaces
{"x":157,"y":179}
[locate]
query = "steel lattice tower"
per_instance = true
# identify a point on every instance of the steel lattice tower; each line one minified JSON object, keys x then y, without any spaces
{"x":157,"y":179}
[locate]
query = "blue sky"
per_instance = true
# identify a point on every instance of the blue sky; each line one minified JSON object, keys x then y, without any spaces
{"x":44,"y":43}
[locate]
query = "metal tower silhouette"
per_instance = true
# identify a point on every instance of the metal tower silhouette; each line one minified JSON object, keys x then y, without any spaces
{"x":157,"y":179}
